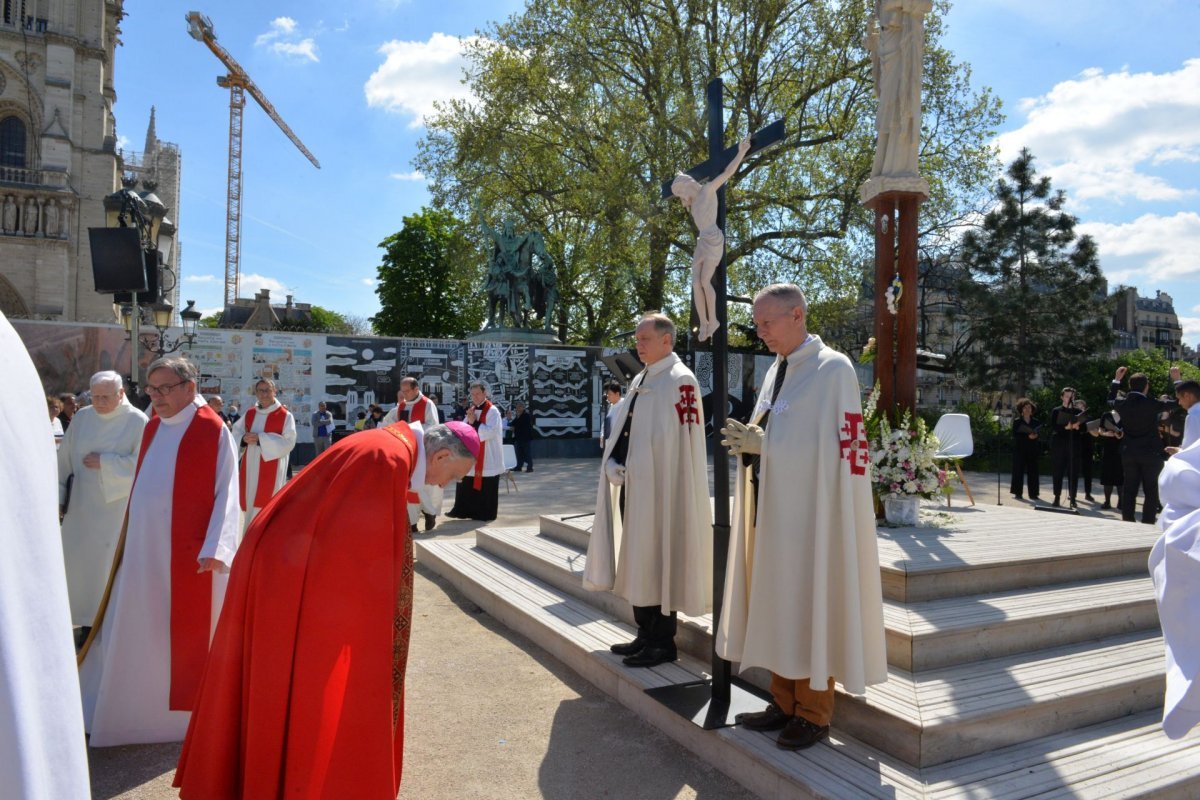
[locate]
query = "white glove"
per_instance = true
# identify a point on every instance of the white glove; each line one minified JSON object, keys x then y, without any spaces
{"x":741,"y":438}
{"x":614,"y":472}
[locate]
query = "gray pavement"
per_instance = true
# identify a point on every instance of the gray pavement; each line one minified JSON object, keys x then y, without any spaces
{"x":490,"y":714}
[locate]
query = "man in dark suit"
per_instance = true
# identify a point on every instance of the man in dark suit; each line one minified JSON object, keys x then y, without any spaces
{"x":1142,"y":453}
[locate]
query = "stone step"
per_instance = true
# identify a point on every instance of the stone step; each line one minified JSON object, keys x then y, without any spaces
{"x":561,"y":566}
{"x":572,"y":529}
{"x":939,"y":715}
{"x":958,"y":630}
{"x":977,"y":550}
{"x":1128,"y":757}
{"x":935,"y":633}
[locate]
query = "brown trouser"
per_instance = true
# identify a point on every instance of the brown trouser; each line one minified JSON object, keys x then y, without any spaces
{"x":797,"y":698}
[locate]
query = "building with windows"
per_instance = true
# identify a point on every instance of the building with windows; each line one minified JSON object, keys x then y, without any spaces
{"x":1147,"y":323}
{"x":58,"y":154}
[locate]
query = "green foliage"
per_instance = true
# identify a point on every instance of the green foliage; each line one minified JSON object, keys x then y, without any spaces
{"x":430,"y":279}
{"x":211,"y":321}
{"x":583,"y":109}
{"x":1034,"y":294}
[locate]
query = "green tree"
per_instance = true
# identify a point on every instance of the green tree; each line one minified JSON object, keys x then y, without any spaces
{"x":582,"y":109}
{"x":427,"y":286}
{"x":1032,"y":293}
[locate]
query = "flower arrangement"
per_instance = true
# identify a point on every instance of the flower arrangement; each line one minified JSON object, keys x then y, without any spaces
{"x":902,"y":461}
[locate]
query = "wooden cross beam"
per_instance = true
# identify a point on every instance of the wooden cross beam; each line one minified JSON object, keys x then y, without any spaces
{"x":713,"y":704}
{"x":713,"y":166}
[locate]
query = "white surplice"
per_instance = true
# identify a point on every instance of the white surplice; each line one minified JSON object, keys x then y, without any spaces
{"x":271,"y":452}
{"x":42,"y":752}
{"x":126,"y":678}
{"x":1175,"y":567}
{"x":431,"y":496}
{"x":98,"y":498}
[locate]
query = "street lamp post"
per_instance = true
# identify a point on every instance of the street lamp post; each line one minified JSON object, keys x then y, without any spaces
{"x":146,"y":213}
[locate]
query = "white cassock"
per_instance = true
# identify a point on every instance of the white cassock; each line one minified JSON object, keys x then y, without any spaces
{"x":271,"y":452}
{"x":803,"y":596}
{"x":42,"y":750}
{"x":660,"y":553}
{"x":98,"y":498}
{"x":1175,"y":567}
{"x":126,"y":677}
{"x":431,"y":496}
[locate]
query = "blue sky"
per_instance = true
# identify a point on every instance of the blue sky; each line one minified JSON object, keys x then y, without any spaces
{"x":1105,"y":94}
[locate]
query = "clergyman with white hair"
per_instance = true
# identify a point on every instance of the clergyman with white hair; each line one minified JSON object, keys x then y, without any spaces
{"x":95,"y":474}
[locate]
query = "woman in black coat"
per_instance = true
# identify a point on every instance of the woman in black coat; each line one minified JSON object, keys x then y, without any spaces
{"x":1026,"y":449}
{"x":1111,"y":473}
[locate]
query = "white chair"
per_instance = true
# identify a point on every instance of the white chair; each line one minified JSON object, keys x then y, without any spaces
{"x":510,"y":462}
{"x":953,"y":432}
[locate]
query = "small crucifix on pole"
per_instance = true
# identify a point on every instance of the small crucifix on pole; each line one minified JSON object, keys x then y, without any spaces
{"x":712,"y":704}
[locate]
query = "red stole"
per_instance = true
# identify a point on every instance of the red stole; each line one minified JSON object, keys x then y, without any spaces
{"x":418,"y":410}
{"x":193,"y":494}
{"x":477,"y":484}
{"x":266,"y":477}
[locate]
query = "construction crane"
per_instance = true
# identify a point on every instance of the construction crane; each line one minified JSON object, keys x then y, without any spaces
{"x":239,"y":84}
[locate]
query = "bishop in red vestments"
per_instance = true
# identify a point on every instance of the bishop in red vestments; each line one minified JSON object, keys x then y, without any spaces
{"x":303,"y":695}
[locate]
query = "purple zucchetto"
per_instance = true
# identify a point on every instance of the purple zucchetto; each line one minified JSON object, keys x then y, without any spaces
{"x":466,"y":434}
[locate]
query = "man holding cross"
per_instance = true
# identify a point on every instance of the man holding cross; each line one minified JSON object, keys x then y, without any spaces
{"x":802,"y":591}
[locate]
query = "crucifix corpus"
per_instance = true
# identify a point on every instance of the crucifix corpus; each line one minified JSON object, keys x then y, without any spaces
{"x":713,"y":703}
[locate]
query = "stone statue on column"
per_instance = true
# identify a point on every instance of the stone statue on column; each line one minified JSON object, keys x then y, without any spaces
{"x":895,"y":39}
{"x":29,"y":217}
{"x":50,"y":220}
{"x":10,"y":215}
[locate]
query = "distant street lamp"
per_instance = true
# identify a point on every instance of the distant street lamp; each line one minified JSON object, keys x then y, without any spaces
{"x":158,"y":342}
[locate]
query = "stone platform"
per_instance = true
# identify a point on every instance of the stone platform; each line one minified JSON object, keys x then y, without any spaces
{"x":1024,"y":654}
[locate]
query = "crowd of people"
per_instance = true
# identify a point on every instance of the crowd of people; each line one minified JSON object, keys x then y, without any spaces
{"x":1134,"y":435}
{"x":265,"y":622}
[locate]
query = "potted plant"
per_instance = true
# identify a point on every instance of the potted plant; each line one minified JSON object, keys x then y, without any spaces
{"x":903,"y":469}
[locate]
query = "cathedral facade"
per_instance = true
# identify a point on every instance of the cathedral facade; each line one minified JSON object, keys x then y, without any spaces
{"x":59,"y":155}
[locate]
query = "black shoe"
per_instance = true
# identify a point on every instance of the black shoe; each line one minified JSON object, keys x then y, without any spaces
{"x":530,"y":468}
{"x":1016,"y":495}
{"x":430,"y":522}
{"x":628,"y":648}
{"x":1057,"y":503}
{"x":1107,"y":504}
{"x":1089,"y":498}
{"x":650,"y":657}
{"x":413,"y":529}
{"x":1073,"y":503}
{"x":771,"y":719}
{"x":1035,"y":497}
{"x":800,"y":733}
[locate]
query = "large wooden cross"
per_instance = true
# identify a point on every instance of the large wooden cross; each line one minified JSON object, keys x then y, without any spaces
{"x":714,"y":705}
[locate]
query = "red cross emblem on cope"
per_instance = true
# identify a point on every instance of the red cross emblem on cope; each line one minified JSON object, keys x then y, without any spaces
{"x":686,"y":407}
{"x":854,"y":444}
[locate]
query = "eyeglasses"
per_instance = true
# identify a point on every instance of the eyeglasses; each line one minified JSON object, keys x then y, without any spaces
{"x":161,"y":391}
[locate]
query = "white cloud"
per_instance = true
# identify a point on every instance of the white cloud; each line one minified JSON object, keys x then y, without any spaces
{"x":200,"y":278}
{"x":305,"y":48}
{"x":415,"y":175}
{"x":280,"y":26}
{"x":369,"y":281}
{"x":1102,"y":135}
{"x":1191,"y":327}
{"x":252,"y":283}
{"x":415,"y":75}
{"x":1150,"y":248}
{"x":282,"y":39}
